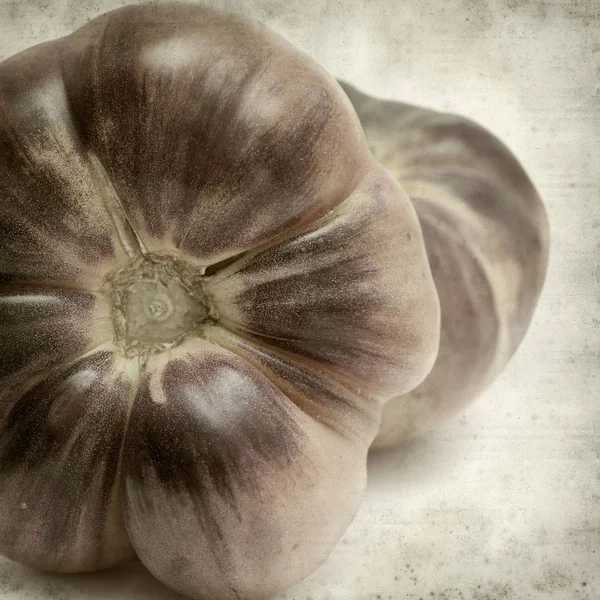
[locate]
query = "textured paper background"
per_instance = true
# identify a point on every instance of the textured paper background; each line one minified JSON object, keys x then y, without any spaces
{"x":504,"y":503}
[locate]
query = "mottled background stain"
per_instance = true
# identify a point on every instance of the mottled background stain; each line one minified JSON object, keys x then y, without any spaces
{"x":504,"y":503}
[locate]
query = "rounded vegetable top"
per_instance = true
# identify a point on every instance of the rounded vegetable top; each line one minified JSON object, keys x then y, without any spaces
{"x":208,"y":287}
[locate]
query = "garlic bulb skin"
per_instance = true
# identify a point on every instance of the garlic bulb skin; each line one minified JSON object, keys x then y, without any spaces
{"x":208,"y":288}
{"x":487,"y":238}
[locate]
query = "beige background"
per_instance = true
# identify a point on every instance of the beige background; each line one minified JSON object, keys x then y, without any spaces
{"x":504,"y":503}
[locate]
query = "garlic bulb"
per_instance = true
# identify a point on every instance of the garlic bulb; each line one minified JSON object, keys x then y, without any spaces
{"x":208,"y":289}
{"x":487,"y":240}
